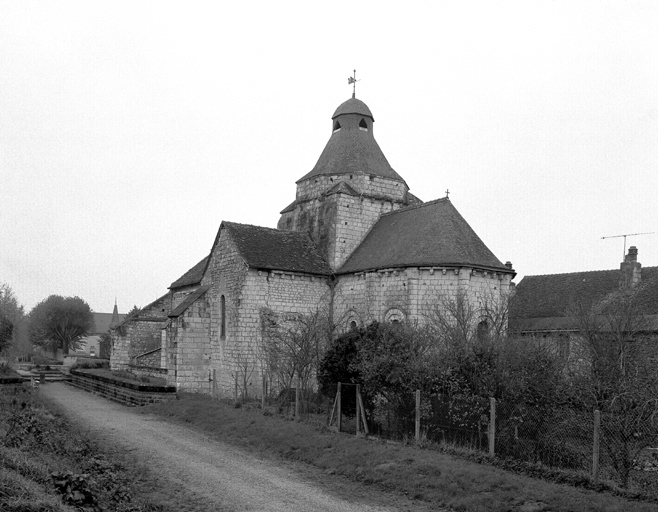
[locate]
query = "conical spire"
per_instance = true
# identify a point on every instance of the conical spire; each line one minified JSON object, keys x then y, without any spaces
{"x":115,"y":316}
{"x":352,"y":148}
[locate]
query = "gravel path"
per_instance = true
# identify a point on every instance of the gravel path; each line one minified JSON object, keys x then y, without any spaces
{"x":215,"y":475}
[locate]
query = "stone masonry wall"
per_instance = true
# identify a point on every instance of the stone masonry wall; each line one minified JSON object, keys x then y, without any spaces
{"x":139,"y":334}
{"x":149,"y":359}
{"x":282,"y":293}
{"x":373,"y":186}
{"x":370,"y":296}
{"x":226,"y":275}
{"x":124,"y":392}
{"x":192,"y":347}
{"x":339,"y":222}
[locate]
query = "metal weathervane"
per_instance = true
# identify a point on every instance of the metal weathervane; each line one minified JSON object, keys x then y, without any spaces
{"x":352,"y":81}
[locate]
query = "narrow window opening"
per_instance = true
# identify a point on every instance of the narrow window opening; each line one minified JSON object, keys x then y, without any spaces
{"x":222,"y":331}
{"x":483,"y":330}
{"x":363,"y":125}
{"x":353,"y":325}
{"x":336,"y":126}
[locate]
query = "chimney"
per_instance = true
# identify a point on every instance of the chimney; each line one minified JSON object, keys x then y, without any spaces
{"x":630,"y":270}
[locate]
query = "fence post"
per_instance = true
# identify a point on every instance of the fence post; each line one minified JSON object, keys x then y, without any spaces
{"x":595,"y":450}
{"x":362,"y":409}
{"x":339,"y":411}
{"x":417,"y":415}
{"x":297,"y":398}
{"x":263,"y":401}
{"x":492,"y":426}
{"x":358,"y":412}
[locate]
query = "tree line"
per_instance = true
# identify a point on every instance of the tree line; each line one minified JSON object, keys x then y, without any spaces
{"x":54,"y":323}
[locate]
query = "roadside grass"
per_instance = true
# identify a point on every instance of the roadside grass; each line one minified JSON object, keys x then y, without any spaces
{"x":47,"y":464}
{"x":427,"y":474}
{"x":123,"y":376}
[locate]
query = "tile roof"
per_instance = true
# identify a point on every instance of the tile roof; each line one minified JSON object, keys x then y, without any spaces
{"x":353,"y":106}
{"x":541,"y":302}
{"x":277,"y":249}
{"x":103,"y":320}
{"x":352,"y":152}
{"x":430,"y":234}
{"x":289,"y":208}
{"x":188,"y":301}
{"x":192,"y":276}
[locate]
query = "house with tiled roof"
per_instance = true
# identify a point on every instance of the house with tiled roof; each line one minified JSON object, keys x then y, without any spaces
{"x":542,"y":304}
{"x":354,"y":242}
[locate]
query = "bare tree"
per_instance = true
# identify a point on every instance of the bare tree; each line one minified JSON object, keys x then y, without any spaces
{"x":615,"y":373}
{"x":293,"y":344}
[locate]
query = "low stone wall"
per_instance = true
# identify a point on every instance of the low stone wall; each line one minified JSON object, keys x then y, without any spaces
{"x":128,"y":393}
{"x":12,"y":379}
{"x":148,"y":371}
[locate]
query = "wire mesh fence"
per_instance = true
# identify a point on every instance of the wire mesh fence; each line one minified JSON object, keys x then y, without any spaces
{"x":554,"y":436}
{"x":456,"y":421}
{"x":628,"y":451}
{"x":613,"y":447}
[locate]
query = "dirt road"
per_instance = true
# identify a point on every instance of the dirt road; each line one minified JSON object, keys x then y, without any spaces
{"x":214,"y":476}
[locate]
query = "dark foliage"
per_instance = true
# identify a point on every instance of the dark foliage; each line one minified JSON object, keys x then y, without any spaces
{"x":340,"y":365}
{"x":60,"y":322}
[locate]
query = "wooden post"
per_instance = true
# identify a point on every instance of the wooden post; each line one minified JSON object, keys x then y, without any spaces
{"x":595,"y":450}
{"x":417,"y":415}
{"x":262,"y":402}
{"x":333,"y":410}
{"x":340,"y":410}
{"x":214,"y":384}
{"x":363,"y":411}
{"x":492,"y":427}
{"x":297,"y":398}
{"x":358,"y":416}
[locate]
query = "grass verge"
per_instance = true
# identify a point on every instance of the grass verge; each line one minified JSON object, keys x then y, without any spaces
{"x":48,"y":465}
{"x":426,"y":475}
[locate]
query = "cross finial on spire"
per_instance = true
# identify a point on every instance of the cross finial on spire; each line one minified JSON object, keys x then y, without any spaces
{"x":447,"y":192}
{"x":352,"y":81}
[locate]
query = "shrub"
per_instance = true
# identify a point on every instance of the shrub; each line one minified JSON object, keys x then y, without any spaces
{"x":92,"y":363}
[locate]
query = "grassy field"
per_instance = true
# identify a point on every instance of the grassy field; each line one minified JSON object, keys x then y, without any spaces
{"x":428,"y":475}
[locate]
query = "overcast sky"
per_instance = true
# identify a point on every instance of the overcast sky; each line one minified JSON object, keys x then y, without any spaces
{"x":130,"y":130}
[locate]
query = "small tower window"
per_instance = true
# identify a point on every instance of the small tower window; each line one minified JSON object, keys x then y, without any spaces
{"x":336,"y":126}
{"x":363,"y":125}
{"x":222,"y":330}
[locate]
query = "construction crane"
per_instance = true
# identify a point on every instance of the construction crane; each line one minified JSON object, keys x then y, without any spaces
{"x":628,"y":234}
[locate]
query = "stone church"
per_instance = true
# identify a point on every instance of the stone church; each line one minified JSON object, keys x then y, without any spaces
{"x":354,"y":242}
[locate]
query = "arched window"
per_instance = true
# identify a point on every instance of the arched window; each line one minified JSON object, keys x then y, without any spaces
{"x":352,"y":325}
{"x":394,"y":315}
{"x":222,"y":306}
{"x":483,"y":330}
{"x":363,"y":125}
